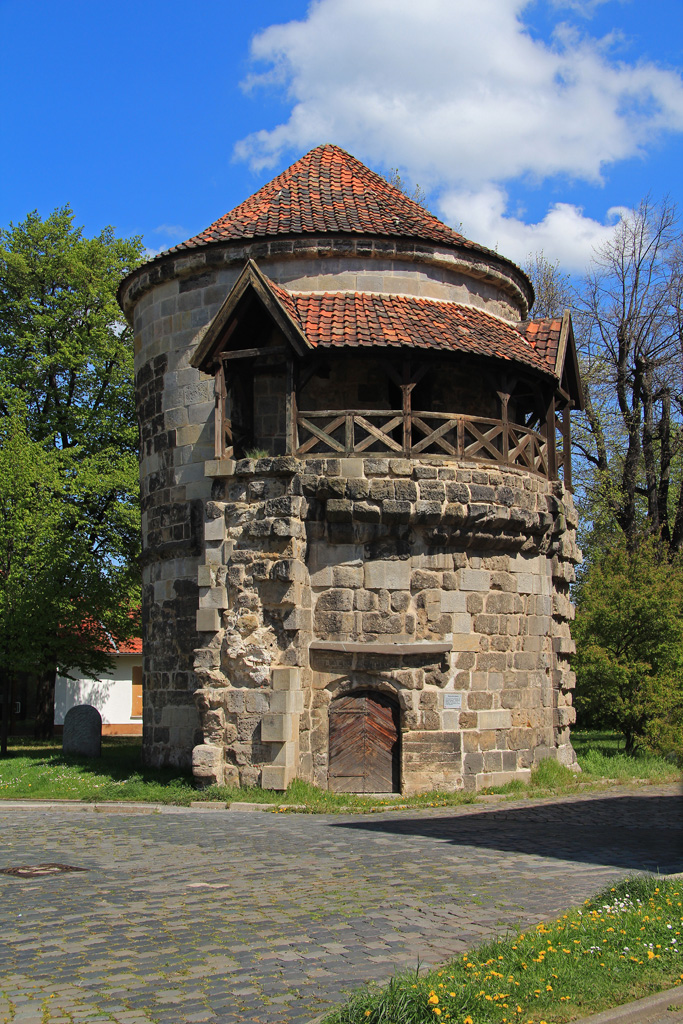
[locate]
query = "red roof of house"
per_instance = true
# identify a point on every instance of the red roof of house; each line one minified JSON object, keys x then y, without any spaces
{"x":369,"y":320}
{"x":328,"y":190}
{"x":132,"y":646}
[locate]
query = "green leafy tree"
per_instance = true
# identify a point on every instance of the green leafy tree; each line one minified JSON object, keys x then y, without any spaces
{"x":629,"y":639}
{"x":66,"y":358}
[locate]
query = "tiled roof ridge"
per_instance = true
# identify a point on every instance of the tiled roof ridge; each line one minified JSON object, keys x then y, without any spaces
{"x":329,"y":191}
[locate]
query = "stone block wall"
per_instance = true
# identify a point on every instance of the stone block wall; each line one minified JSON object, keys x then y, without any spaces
{"x":444,"y":584}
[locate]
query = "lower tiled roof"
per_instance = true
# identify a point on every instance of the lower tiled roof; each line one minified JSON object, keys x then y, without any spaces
{"x":544,"y":337}
{"x":365,"y":320}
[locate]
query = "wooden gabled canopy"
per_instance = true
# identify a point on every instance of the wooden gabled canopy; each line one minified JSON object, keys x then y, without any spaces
{"x":251,"y":284}
{"x":567,"y":363}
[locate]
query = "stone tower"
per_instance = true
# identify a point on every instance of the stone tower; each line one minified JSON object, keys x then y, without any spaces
{"x":357,"y":516}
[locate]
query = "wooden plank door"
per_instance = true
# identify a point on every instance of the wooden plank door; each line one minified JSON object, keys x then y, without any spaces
{"x":364,"y":744}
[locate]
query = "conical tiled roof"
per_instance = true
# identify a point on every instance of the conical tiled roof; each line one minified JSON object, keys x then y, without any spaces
{"x":328,"y":190}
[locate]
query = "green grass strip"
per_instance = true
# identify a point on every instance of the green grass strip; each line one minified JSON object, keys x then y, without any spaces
{"x":39,"y":770}
{"x":621,"y":945}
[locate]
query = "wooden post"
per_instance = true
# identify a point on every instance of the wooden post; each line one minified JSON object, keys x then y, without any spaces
{"x":504,"y":399}
{"x":407,"y":391}
{"x":348,"y":433}
{"x":550,"y":439}
{"x":219,"y":411}
{"x":291,"y":439}
{"x":567,"y":446}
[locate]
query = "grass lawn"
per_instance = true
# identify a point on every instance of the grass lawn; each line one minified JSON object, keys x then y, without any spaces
{"x":39,"y":770}
{"x":621,"y":945}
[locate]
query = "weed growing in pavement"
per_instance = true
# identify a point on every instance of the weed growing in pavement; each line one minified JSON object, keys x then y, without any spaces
{"x":621,"y":945}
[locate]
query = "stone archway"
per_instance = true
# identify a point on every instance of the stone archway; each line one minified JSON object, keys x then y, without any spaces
{"x":364,"y":751}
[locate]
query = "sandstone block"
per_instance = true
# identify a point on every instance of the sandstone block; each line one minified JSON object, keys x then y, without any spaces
{"x":347,"y":576}
{"x":322,"y":578}
{"x":285,"y":678}
{"x":286,"y":755}
{"x":377,"y":622}
{"x":500,"y":719}
{"x":376,"y":467}
{"x":207,"y":764}
{"x":366,"y":512}
{"x":276,"y":776}
{"x":339,"y":510}
{"x":474,"y":579}
{"x":277,"y":728}
{"x":205,"y":576}
{"x":213,"y":597}
{"x":287,"y":702}
{"x":208,"y":620}
{"x":387,"y":575}
{"x":351,"y":467}
{"x":421,"y":579}
{"x":396,"y":511}
{"x":298,"y":618}
{"x":335,"y":599}
{"x":454,"y":601}
{"x":333,"y":623}
{"x":214,"y":529}
{"x":466,"y":642}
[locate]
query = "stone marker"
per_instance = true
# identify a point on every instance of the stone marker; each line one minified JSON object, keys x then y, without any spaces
{"x":82,"y":731}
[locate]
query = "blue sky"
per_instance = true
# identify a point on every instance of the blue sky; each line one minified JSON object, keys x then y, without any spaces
{"x":528,"y":123}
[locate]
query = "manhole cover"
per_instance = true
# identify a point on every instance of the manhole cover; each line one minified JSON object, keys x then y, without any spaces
{"x":38,"y":870}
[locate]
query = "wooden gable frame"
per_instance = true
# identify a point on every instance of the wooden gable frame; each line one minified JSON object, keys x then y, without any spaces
{"x":568,"y":395}
{"x":217,"y":350}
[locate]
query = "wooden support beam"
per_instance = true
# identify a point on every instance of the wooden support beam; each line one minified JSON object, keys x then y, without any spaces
{"x":567,"y":447}
{"x":219,"y":412}
{"x":291,"y":442}
{"x":549,"y":433}
{"x":254,"y":353}
{"x":406,"y":390}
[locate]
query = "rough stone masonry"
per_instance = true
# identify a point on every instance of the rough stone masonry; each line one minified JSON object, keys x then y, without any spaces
{"x":436,"y":578}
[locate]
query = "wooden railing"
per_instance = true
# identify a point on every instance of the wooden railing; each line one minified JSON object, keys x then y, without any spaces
{"x":387,"y":432}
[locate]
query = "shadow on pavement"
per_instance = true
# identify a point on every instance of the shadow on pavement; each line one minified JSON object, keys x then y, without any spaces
{"x":641,"y":833}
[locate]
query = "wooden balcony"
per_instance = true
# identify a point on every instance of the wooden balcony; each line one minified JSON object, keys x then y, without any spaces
{"x":390,"y":432}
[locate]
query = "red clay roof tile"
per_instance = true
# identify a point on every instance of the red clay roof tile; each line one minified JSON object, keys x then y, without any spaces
{"x":340,"y":319}
{"x":328,"y":190}
{"x":543,"y":336}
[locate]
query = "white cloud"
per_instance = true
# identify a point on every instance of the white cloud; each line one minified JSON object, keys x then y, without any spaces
{"x":461,"y":97}
{"x":564,"y":234}
{"x":172,"y":231}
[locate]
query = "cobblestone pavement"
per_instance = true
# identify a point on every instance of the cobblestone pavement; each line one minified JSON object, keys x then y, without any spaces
{"x":231,"y":917}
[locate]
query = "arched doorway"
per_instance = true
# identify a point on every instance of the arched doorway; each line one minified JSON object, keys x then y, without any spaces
{"x":364,"y":743}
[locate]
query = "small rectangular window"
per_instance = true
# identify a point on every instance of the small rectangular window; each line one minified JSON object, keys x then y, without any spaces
{"x":136,"y":707}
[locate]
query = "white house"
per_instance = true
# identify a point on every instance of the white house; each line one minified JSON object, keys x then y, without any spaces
{"x":117,"y":695}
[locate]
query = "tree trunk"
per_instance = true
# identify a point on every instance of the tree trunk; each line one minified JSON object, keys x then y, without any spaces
{"x":45,"y":705}
{"x":5,"y":697}
{"x":649,"y":455}
{"x":665,"y":465}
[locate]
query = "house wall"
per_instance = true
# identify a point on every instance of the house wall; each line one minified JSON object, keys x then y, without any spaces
{"x":112,"y":696}
{"x":170,"y":302}
{"x":425,"y":578}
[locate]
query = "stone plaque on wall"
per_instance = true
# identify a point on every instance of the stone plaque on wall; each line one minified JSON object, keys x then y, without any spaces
{"x":452,"y":700}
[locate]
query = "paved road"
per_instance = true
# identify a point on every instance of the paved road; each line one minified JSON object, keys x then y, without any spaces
{"x":235,"y":917}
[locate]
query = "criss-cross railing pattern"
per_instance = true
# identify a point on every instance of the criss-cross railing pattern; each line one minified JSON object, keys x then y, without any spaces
{"x":391,"y":431}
